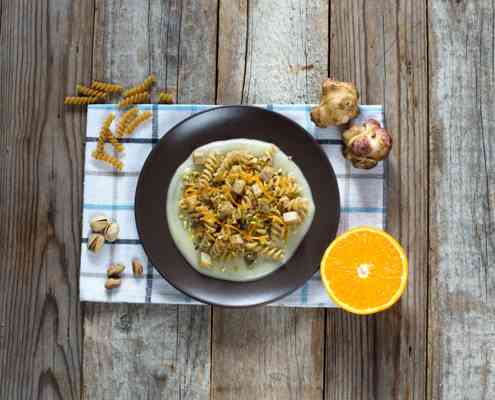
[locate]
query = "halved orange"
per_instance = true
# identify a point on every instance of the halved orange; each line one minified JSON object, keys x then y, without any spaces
{"x":364,"y":270}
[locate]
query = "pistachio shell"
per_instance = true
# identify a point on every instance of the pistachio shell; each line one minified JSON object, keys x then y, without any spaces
{"x":99,"y":223}
{"x":115,"y":270}
{"x":95,"y":242}
{"x":113,"y":283}
{"x":112,"y":232}
{"x":137,"y":267}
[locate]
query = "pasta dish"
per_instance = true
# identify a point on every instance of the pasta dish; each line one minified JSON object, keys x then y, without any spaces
{"x":241,"y":206}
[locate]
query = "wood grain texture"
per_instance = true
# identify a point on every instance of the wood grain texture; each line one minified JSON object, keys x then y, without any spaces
{"x":462,"y":124}
{"x":269,"y":51}
{"x":146,"y":352}
{"x":45,"y":51}
{"x":164,"y":352}
{"x":267,"y":353}
{"x":272,"y":51}
{"x":382,"y":46}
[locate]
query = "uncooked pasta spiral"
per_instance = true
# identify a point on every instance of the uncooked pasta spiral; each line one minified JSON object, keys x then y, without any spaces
{"x":87,"y":91}
{"x":125,"y":119}
{"x":117,"y":146}
{"x":134,"y":123}
{"x":138,"y":98}
{"x":100,"y":145}
{"x":79,"y":100}
{"x":143,"y":87}
{"x":107,"y":158}
{"x":165,"y":98}
{"x":106,"y":87}
{"x":107,"y":122}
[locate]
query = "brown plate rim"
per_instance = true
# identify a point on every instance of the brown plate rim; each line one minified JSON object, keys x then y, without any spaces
{"x":141,"y":210}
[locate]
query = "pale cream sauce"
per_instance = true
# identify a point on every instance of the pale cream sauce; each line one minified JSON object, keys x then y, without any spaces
{"x":236,"y":269}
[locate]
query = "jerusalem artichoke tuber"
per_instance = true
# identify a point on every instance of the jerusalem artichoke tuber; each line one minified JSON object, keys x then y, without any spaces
{"x":366,"y":144}
{"x":338,"y":104}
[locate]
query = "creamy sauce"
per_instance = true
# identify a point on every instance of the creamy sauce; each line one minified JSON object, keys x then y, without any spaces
{"x":236,"y":269}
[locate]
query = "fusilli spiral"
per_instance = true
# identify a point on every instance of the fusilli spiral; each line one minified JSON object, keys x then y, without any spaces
{"x":87,"y":91}
{"x":165,"y":98}
{"x":138,"y":120}
{"x":210,"y":166}
{"x":125,"y":119}
{"x":79,"y":101}
{"x":143,"y":87}
{"x":143,"y":97}
{"x":237,"y":205}
{"x":107,"y":158}
{"x":106,"y":87}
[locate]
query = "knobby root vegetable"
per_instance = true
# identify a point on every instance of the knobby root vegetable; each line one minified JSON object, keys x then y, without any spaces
{"x":338,"y":104}
{"x":366,"y":144}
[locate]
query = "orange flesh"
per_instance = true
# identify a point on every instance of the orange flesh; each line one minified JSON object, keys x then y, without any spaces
{"x":365,"y":270}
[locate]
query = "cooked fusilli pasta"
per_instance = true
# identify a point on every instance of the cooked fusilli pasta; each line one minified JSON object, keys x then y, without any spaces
{"x":237,"y":205}
{"x":210,"y":166}
{"x":270,"y":251}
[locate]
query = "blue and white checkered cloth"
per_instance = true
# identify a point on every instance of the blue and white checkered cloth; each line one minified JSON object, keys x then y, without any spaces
{"x":111,"y":193}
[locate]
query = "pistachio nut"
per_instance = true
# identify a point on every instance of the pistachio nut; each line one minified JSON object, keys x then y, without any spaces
{"x":112,"y":232}
{"x":137,"y":267}
{"x":115,"y":270}
{"x":99,"y":223}
{"x":113,"y":283}
{"x":95,"y":242}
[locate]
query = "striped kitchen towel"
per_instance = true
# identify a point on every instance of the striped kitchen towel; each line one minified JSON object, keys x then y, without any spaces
{"x":362,"y":194}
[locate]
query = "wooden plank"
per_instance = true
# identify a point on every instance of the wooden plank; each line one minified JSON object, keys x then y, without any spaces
{"x":272,"y":51}
{"x":269,"y":51}
{"x":45,"y":49}
{"x":462,"y":319}
{"x":382,"y":47}
{"x":151,"y":351}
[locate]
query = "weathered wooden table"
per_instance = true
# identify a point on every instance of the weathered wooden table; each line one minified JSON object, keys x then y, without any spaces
{"x":430,"y":62}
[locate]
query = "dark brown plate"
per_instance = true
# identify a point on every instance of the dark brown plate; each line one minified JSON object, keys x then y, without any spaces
{"x":228,"y":123}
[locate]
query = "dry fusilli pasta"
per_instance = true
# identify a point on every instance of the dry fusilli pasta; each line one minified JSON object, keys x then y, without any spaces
{"x":165,"y":98}
{"x":143,"y":87}
{"x":87,"y":91}
{"x":138,"y":98}
{"x":106,"y":87}
{"x":138,"y":120}
{"x":107,"y":122}
{"x":108,"y":136}
{"x":107,"y":158}
{"x":124,"y":120}
{"x":79,"y":101}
